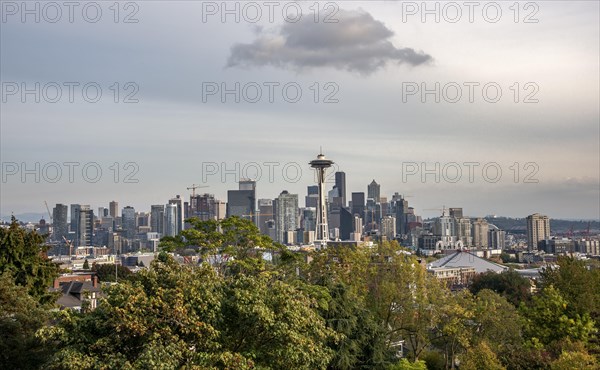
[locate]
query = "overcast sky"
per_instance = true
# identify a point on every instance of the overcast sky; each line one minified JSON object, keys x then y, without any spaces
{"x":360,"y":68}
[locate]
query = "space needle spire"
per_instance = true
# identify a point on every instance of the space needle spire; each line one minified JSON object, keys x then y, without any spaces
{"x":320,"y":165}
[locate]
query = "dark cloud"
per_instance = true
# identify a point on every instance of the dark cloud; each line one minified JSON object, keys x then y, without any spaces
{"x":357,"y":42}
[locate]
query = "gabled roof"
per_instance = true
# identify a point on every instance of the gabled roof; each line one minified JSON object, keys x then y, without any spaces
{"x":467,"y":259}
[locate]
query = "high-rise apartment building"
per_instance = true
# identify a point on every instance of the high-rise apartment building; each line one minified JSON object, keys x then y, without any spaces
{"x":170,"y":223}
{"x":538,"y":228}
{"x":286,"y":215}
{"x":85,"y":226}
{"x":480,"y":233}
{"x":180,"y":213}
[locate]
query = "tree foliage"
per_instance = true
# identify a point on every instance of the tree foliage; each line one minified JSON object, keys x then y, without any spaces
{"x":20,"y":316}
{"x":578,"y":285}
{"x":22,"y":253}
{"x":509,"y":284}
{"x":107,"y":272}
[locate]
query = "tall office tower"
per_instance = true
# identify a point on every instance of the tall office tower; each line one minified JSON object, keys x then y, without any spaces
{"x":75,"y":217}
{"x":60,"y":222}
{"x":180,"y":213}
{"x":480,"y":233}
{"x":463,"y":230}
{"x":157,"y":218}
{"x":242,"y":202}
{"x":265,"y":213}
{"x":340,"y":184}
{"x":358,"y":204}
{"x":85,"y":226}
{"x":286,"y":215}
{"x":456,"y":212}
{"x":374,"y":191}
{"x":400,"y":209}
{"x":170,"y":223}
{"x":321,"y":164}
{"x":538,"y":228}
{"x":312,"y":197}
{"x":128,"y":221}
{"x":496,"y":237}
{"x":388,"y":227}
{"x":309,"y":219}
{"x":346,"y":223}
{"x":114,"y":209}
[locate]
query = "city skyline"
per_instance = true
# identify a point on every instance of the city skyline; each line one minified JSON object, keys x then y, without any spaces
{"x":372,"y":110}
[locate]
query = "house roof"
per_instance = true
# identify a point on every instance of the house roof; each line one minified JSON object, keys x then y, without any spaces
{"x":467,"y":259}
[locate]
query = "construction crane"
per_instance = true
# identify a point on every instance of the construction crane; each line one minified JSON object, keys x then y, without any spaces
{"x":443,"y":209}
{"x":48,"y":209}
{"x":194,"y":187}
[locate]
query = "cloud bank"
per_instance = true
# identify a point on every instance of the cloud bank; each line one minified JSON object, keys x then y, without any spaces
{"x":357,"y":43}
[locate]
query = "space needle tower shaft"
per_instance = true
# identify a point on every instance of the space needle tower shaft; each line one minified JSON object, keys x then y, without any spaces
{"x":321,"y":164}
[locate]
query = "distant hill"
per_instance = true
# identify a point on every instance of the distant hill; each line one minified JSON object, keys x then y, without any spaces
{"x":27,"y":217}
{"x":557,"y":226}
{"x":519,"y":225}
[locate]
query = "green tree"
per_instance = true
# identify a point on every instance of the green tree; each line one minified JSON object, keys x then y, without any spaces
{"x":86,"y":265}
{"x":173,"y":316}
{"x":497,"y":322}
{"x":404,"y":364}
{"x":509,"y":284}
{"x":577,"y":283}
{"x":107,"y":272}
{"x":404,"y":298}
{"x":550,"y":318}
{"x":22,"y":253}
{"x":569,"y":360}
{"x":20,"y":316}
{"x":480,"y":357}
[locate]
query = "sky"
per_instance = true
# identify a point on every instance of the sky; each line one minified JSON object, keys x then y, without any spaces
{"x":493,"y":108}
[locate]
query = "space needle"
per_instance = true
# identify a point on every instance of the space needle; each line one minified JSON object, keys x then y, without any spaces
{"x":321,"y":164}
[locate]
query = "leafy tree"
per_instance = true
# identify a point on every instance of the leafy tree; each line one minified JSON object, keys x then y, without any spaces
{"x":569,"y":360}
{"x":20,"y":316}
{"x":405,"y":298}
{"x":455,"y":325}
{"x":360,"y":343}
{"x":173,"y":316}
{"x":22,"y":253}
{"x":579,"y":285}
{"x":509,"y":284}
{"x":480,"y":357}
{"x":106,"y":272}
{"x":404,"y":364}
{"x":496,"y":321}
{"x":86,"y":265}
{"x":550,"y":318}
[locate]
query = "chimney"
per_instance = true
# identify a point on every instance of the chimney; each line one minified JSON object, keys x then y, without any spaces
{"x":56,"y":283}
{"x":95,"y":281}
